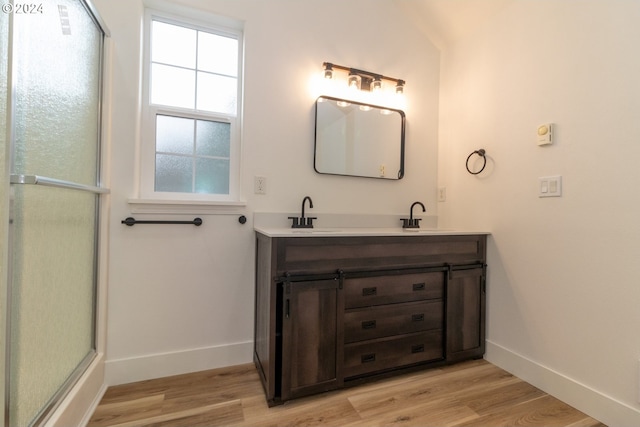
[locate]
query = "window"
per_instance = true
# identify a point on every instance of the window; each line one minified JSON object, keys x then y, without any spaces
{"x":190,"y":138}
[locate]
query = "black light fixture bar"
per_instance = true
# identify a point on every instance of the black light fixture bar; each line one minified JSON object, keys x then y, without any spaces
{"x":366,"y":76}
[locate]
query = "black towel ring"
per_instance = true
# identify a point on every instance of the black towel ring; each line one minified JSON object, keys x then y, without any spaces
{"x":480,"y":153}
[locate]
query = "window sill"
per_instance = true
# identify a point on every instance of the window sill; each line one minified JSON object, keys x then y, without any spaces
{"x":151,"y":206}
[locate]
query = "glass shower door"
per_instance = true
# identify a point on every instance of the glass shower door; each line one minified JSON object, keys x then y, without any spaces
{"x":55,"y":75}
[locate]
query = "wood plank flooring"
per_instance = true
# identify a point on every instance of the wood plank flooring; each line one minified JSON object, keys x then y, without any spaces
{"x":474,"y":393}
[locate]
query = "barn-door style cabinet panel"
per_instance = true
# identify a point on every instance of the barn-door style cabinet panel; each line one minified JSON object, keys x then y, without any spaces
{"x":334,"y":311}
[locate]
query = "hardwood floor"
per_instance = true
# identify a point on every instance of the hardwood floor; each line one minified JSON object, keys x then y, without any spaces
{"x":473,"y":393}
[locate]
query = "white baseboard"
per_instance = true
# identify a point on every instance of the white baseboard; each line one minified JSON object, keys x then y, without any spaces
{"x":123,"y":371}
{"x":80,"y":403}
{"x":592,"y":402}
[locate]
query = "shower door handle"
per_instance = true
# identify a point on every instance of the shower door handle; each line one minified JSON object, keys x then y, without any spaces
{"x":52,"y":182}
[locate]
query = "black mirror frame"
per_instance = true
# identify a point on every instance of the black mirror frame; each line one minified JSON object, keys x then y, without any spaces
{"x":402,"y":137}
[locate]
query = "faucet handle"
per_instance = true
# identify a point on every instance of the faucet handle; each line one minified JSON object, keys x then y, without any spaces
{"x":410,"y":222}
{"x":302,"y":222}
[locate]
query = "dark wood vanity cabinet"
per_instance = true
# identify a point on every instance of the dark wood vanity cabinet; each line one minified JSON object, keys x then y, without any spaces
{"x":392,"y":320}
{"x":466,"y":288}
{"x":333,"y":311}
{"x":311,"y":344}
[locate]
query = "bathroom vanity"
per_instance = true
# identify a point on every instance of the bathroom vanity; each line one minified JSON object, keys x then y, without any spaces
{"x":339,"y":307}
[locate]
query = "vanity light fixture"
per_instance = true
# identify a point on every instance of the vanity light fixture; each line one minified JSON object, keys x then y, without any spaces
{"x":360,"y":79}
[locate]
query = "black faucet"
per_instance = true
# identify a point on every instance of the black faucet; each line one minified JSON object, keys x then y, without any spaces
{"x":412,"y":222}
{"x":303,"y":222}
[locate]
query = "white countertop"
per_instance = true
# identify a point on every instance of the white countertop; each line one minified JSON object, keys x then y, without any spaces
{"x":357,"y":231}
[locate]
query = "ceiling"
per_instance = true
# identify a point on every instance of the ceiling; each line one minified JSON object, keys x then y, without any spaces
{"x":445,"y":21}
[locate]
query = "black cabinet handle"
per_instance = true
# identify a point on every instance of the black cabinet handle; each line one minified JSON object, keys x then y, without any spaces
{"x":369,"y":324}
{"x":417,"y":348}
{"x":419,"y":286}
{"x":367,"y":358}
{"x":287,"y":309}
{"x":367,"y":292}
{"x":417,"y":317}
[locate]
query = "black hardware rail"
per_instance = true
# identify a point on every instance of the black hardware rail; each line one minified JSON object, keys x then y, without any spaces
{"x":130,"y":221}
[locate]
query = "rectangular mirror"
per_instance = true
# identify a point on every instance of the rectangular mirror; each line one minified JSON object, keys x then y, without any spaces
{"x":358,"y":139}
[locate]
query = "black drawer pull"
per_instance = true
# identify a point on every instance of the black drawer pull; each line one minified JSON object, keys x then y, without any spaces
{"x":419,"y":286}
{"x":367,"y":292}
{"x":417,"y":317}
{"x":417,"y":348}
{"x":367,"y":358}
{"x":369,"y":324}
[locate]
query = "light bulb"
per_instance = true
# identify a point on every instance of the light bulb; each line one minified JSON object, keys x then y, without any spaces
{"x":354,"y":81}
{"x":328,"y":71}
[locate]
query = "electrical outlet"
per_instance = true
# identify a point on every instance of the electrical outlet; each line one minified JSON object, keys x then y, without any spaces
{"x":260,"y":185}
{"x":442,"y":194}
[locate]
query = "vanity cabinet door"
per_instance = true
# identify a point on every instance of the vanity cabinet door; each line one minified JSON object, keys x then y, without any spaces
{"x":312,"y":338}
{"x":465,"y":313}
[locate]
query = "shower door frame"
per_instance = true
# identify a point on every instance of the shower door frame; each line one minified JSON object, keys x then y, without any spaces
{"x":57,"y":398}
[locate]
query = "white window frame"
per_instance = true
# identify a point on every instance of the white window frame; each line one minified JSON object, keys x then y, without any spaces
{"x":147,"y":194}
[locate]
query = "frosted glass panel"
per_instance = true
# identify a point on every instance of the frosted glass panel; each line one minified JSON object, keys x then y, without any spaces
{"x":217,"y":93}
{"x":213,"y":138}
{"x":57,"y":85}
{"x":217,"y":54}
{"x":52,"y":297}
{"x":174,"y":173}
{"x":174,"y":134}
{"x":212,"y":176}
{"x":172,"y":86}
{"x":56,"y":127}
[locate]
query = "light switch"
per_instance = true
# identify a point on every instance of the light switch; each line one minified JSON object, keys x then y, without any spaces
{"x":544,"y":187}
{"x":550,"y":186}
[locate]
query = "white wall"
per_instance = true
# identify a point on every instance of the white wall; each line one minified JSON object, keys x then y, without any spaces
{"x":181,"y":297}
{"x":564,"y":293}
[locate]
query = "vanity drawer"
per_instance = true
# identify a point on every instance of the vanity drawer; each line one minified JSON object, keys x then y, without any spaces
{"x":371,"y":356}
{"x":389,"y":289}
{"x":395,"y":319}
